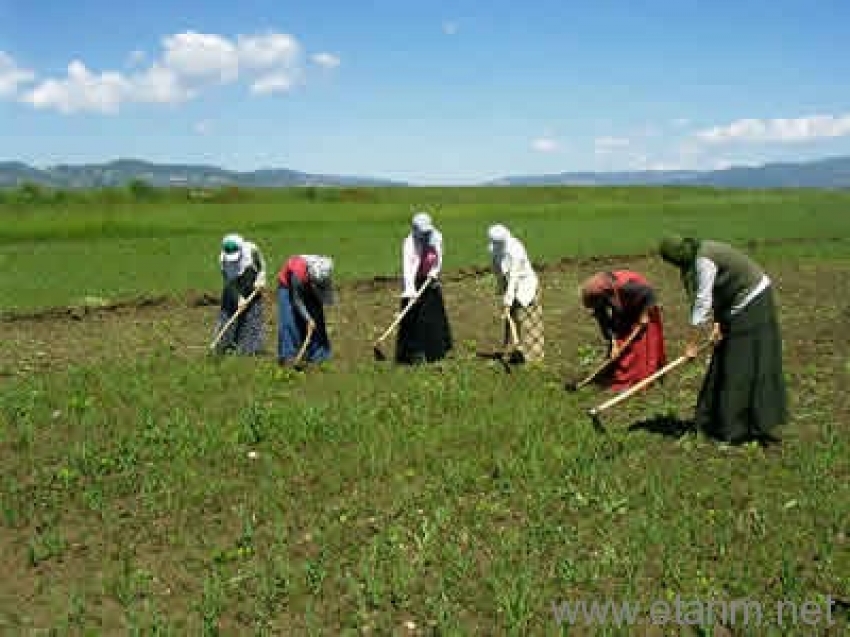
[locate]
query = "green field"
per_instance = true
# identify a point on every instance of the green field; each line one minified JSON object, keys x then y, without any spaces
{"x":454,"y":499}
{"x":59,"y":254}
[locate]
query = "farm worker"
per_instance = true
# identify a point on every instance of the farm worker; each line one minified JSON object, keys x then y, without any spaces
{"x":519,"y":287}
{"x":244,"y":272}
{"x":424,"y":333}
{"x":743,"y":396}
{"x":305,"y":286}
{"x":625,"y":307}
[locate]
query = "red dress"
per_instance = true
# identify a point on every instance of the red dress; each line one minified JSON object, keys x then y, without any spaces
{"x":618,"y":316}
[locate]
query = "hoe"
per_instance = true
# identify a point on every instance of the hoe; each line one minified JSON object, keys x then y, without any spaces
{"x":595,"y":412}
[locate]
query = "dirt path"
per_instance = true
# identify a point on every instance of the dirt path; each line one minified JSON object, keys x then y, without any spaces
{"x":56,"y":339}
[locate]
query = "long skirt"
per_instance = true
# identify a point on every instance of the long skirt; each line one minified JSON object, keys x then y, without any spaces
{"x":424,"y":334}
{"x":743,"y":396}
{"x":292,"y":330}
{"x":642,"y":358}
{"x":246,"y":335}
{"x":529,"y":325}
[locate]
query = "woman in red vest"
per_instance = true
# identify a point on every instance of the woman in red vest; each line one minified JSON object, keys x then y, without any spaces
{"x":304,"y":287}
{"x":624,"y":305}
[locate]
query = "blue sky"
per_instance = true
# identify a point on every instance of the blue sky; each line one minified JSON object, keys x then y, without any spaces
{"x":437,"y":92}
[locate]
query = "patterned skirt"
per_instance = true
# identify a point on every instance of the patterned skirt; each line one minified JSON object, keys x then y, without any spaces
{"x":246,"y":335}
{"x":529,"y":324}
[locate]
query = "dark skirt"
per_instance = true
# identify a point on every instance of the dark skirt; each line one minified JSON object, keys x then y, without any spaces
{"x":424,"y":334}
{"x":743,"y":396}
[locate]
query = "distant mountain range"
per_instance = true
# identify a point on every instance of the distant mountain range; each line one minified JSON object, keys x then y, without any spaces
{"x":825,"y":173}
{"x":123,"y":171}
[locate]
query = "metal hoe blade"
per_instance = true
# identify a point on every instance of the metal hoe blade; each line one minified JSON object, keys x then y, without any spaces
{"x":596,"y":421}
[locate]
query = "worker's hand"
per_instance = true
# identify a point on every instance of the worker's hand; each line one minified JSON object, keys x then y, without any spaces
{"x":241,"y":303}
{"x":615,"y":350}
{"x":644,"y":319}
{"x":691,"y":350}
{"x":506,"y":312}
{"x":311,"y":326}
{"x":716,"y":334}
{"x":259,"y":284}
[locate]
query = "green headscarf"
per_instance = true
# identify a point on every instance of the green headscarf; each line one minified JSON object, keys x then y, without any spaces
{"x":682,"y":252}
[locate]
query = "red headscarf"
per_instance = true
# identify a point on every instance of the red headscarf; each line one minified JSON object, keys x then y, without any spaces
{"x":599,"y":285}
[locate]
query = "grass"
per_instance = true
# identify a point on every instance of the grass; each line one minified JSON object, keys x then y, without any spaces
{"x":148,"y":489}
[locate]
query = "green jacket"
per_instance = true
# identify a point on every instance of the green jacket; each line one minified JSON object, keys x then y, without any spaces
{"x":737,"y":275}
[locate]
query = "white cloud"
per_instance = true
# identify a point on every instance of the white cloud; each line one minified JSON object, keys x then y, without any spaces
{"x":136,"y":58}
{"x":82,"y":90}
{"x":12,"y":76}
{"x":272,"y":50}
{"x":605,"y":145}
{"x":450,"y":28}
{"x":641,"y":161}
{"x":272,"y":83}
{"x":545,"y":145}
{"x":201,"y":56}
{"x":800,"y":129}
{"x":160,"y":85}
{"x":326,"y":60}
{"x":189,"y":63}
{"x":277,"y":56}
{"x":683,"y":151}
{"x":662,"y":165}
{"x":85,"y":91}
{"x":723,"y":164}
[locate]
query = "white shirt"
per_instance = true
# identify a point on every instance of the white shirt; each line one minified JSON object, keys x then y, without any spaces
{"x":706,"y":273}
{"x":411,"y":256}
{"x":514,"y":273}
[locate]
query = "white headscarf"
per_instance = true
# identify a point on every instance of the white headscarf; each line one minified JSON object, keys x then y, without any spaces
{"x":422,"y":223}
{"x":320,"y":268}
{"x":423,"y":231}
{"x":499,"y":236}
{"x":233,"y":264}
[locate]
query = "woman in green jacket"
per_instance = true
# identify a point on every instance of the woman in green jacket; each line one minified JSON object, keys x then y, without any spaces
{"x":743,"y":396}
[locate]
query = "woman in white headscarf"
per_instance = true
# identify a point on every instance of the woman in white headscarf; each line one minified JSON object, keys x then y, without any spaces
{"x":243,"y":272}
{"x":519,"y":288}
{"x":424,"y":333}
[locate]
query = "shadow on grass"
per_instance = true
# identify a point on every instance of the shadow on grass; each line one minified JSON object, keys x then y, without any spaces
{"x":673,"y":427}
{"x":664,"y":425}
